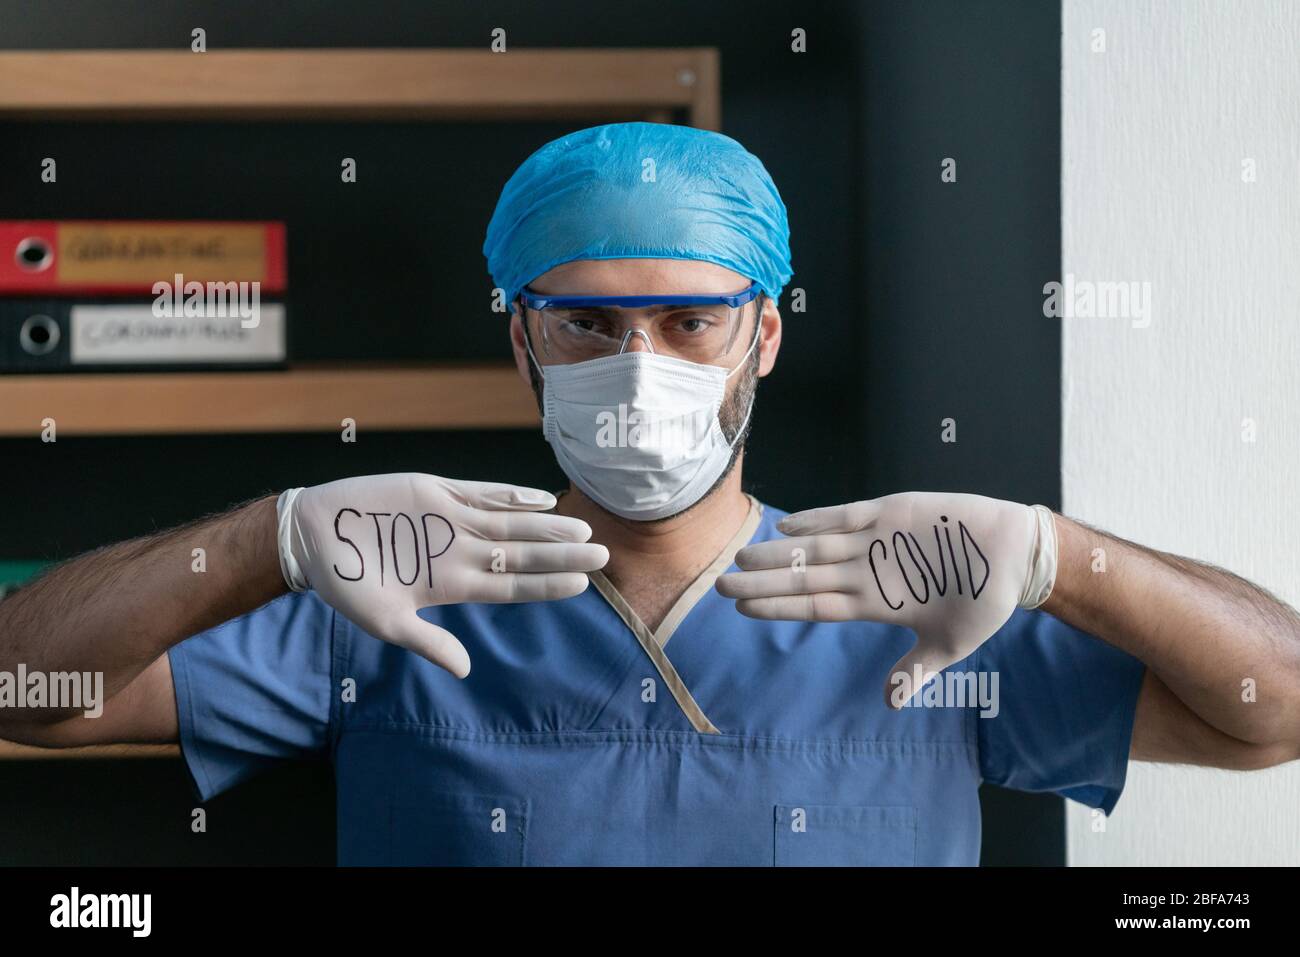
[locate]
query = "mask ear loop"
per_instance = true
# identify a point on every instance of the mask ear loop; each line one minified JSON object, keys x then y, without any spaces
{"x":758,"y":329}
{"x":528,"y":340}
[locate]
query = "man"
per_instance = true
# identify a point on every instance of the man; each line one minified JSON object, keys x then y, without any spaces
{"x":481,"y":705}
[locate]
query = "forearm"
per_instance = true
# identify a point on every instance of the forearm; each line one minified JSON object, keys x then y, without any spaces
{"x":1205,"y":632}
{"x":117,"y":609}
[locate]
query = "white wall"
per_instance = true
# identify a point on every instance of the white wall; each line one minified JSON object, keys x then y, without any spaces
{"x":1154,"y":134}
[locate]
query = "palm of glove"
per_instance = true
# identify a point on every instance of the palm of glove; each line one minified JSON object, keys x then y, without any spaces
{"x":951,"y":567}
{"x":379,"y":548}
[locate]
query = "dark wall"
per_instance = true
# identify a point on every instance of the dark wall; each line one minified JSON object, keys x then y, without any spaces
{"x":953,"y":281}
{"x":921,"y":298}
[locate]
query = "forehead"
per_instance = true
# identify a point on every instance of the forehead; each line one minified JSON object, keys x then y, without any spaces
{"x":632,"y":277}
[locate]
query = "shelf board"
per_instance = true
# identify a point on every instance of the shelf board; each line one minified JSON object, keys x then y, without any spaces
{"x":20,"y":752}
{"x":361,"y":84}
{"x":306,"y":398}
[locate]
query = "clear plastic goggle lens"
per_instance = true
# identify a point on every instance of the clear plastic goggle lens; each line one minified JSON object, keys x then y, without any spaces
{"x":696,"y":333}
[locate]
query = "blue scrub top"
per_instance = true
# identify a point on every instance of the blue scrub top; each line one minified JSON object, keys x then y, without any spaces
{"x":580,"y":737}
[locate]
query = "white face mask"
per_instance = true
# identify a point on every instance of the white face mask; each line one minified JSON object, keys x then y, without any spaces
{"x":638,"y":432}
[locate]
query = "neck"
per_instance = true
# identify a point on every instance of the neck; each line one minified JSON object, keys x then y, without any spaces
{"x":674,"y":549}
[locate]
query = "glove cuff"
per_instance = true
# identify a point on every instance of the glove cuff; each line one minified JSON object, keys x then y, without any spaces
{"x":289,"y":567}
{"x":1042,"y":560}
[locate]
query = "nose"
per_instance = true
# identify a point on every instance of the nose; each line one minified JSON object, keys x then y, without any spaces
{"x":636,"y":340}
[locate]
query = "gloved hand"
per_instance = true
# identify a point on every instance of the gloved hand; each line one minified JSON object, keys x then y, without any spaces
{"x":951,"y":567}
{"x":379,"y":547}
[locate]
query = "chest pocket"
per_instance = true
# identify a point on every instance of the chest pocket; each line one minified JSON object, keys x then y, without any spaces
{"x":457,"y":830}
{"x":835,"y":835}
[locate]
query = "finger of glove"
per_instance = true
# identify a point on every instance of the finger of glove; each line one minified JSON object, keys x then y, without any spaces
{"x":810,"y":549}
{"x":427,"y":640}
{"x":852,"y":517}
{"x":507,"y":587}
{"x":497,"y":495}
{"x":818,"y":606}
{"x":526,"y":527}
{"x":531,"y":558}
{"x":901,"y":684}
{"x":777,"y":582}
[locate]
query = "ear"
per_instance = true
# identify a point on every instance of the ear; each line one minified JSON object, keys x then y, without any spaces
{"x":518,"y":345}
{"x":769,"y":337}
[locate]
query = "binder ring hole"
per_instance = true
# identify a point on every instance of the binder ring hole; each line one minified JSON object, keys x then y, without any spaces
{"x":34,"y":254}
{"x":39,"y":335}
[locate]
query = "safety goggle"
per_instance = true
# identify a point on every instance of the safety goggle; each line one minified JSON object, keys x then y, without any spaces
{"x":696,"y":327}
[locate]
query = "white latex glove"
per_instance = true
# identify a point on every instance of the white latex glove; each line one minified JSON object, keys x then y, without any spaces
{"x":951,"y":567}
{"x":379,"y":547}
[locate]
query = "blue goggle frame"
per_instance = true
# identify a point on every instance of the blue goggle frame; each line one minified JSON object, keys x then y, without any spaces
{"x":534,"y":301}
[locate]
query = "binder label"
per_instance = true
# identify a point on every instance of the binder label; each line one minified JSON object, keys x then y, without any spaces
{"x":132,"y":333}
{"x":131,"y":253}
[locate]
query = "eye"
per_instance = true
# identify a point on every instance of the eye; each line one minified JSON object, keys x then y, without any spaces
{"x":692,"y":323}
{"x":579,"y":325}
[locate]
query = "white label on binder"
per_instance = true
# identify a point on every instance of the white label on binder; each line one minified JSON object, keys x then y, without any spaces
{"x":130,"y":333}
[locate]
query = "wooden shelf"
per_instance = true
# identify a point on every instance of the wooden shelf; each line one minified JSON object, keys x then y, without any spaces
{"x":11,"y":752}
{"x":366,"y":84}
{"x":310,"y":398}
{"x":362,"y":84}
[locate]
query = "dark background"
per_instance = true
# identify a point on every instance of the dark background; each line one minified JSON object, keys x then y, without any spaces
{"x":924,"y":302}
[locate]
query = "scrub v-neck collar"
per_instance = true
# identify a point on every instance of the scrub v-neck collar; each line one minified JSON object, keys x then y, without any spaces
{"x":653,"y":642}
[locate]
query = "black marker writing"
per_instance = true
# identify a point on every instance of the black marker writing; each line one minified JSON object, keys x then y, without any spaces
{"x":451,"y":537}
{"x":397,"y":569}
{"x":903,"y":569}
{"x":947,"y":533}
{"x":379,"y":542}
{"x":940,"y":589}
{"x":907,"y":548}
{"x":872,"y":559}
{"x":342,"y":538}
{"x":967,"y":537}
{"x":431,"y":548}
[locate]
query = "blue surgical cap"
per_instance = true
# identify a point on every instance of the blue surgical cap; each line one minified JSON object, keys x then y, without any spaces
{"x":640,"y":191}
